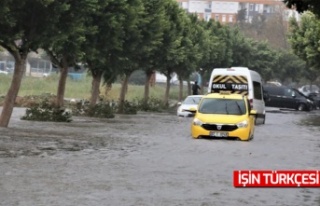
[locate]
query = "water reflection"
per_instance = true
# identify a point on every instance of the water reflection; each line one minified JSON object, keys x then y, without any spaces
{"x":312,"y":120}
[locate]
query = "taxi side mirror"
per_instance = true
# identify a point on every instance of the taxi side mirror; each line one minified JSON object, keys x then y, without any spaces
{"x":253,"y":112}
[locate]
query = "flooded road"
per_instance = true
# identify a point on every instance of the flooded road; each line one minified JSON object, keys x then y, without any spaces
{"x":150,"y":159}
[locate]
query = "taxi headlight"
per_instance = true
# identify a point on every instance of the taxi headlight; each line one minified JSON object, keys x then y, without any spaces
{"x":197,"y":122}
{"x":242,"y":124}
{"x":308,"y":100}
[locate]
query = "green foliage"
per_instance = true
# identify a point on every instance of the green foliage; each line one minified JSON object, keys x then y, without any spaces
{"x":103,"y":109}
{"x":130,"y":107}
{"x":305,"y":42}
{"x":117,"y":37}
{"x":153,"y":105}
{"x":241,"y":16}
{"x":138,"y":78}
{"x":219,"y":51}
{"x":46,"y":111}
{"x":262,"y":58}
{"x":289,"y":66}
{"x":304,"y":5}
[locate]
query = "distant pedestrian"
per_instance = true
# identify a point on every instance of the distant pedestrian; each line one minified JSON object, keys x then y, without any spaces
{"x":195,"y":88}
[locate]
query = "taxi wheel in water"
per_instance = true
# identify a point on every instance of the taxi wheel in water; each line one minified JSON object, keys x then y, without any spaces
{"x":249,"y":138}
{"x":301,"y":107}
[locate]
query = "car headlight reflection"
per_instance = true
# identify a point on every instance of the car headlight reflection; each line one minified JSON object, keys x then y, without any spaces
{"x":197,"y":122}
{"x":242,"y":124}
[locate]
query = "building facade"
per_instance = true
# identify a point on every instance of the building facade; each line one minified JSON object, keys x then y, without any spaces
{"x":231,"y":11}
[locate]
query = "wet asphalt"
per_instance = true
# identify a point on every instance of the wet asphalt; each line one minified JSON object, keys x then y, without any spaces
{"x":151,"y":159}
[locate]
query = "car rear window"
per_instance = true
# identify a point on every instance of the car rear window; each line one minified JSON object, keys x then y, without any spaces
{"x":223,"y":106}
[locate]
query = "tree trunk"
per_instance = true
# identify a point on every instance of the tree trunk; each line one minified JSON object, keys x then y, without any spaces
{"x":62,"y":86}
{"x":180,"y":89}
{"x":19,"y":70}
{"x":108,"y":88}
{"x":166,"y":95}
{"x":147,"y":86}
{"x":189,"y":87}
{"x":124,"y":86}
{"x":95,"y":90}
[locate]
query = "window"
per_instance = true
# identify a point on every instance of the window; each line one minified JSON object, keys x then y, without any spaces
{"x":223,"y":18}
{"x":251,"y":6}
{"x":257,"y":90}
{"x":216,"y":17}
{"x":230,"y":18}
{"x":289,"y":92}
{"x":208,"y":17}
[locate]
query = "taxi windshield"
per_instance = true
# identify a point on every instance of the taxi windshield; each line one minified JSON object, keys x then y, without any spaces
{"x":223,"y":106}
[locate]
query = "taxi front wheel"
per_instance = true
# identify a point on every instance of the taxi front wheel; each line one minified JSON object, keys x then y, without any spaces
{"x":249,"y":138}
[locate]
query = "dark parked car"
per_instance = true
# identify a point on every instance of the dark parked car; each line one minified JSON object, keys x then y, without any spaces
{"x":315,"y":96}
{"x":286,"y":97}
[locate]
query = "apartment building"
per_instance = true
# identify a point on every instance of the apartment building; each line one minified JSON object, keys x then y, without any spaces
{"x":230,"y":11}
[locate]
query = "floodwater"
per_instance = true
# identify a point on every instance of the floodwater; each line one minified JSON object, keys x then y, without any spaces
{"x":150,"y":159}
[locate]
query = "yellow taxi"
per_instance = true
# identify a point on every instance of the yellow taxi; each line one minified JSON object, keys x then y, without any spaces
{"x":224,"y":115}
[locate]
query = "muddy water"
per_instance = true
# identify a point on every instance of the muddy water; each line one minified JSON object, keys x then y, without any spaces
{"x":150,"y":159}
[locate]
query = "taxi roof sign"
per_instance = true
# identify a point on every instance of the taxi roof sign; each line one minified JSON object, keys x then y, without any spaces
{"x":225,"y":92}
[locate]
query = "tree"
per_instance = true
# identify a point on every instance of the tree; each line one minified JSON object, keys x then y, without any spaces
{"x":262,"y":58}
{"x":152,"y":31}
{"x":276,"y":31}
{"x":241,"y":16}
{"x":241,"y":48}
{"x":258,"y":23}
{"x":24,"y":25}
{"x":219,"y":51}
{"x":288,"y":67}
{"x":194,"y":43}
{"x":305,"y":42}
{"x":171,"y":51}
{"x":65,"y":48}
{"x":272,"y":28}
{"x":304,"y":5}
{"x":101,"y":47}
{"x":129,"y":56}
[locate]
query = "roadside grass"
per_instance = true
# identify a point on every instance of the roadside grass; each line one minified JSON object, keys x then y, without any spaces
{"x":80,"y":89}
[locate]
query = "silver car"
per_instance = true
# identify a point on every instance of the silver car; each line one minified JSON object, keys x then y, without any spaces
{"x":191,"y":101}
